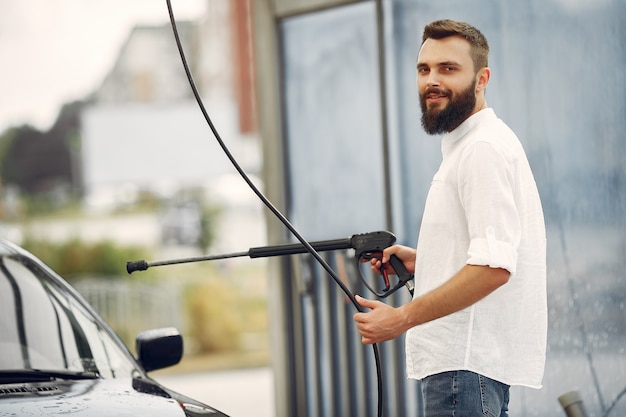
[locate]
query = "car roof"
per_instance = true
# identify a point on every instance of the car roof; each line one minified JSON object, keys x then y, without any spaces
{"x":9,"y":248}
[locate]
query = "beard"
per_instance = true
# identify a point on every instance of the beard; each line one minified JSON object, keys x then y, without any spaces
{"x":460,"y":106}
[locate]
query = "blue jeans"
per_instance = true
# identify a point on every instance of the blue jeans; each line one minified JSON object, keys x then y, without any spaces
{"x":464,"y":394}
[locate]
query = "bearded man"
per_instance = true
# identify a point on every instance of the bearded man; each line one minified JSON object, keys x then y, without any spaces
{"x":477,"y":323}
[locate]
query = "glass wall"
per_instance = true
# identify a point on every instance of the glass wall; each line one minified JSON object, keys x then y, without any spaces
{"x":333,"y":125}
{"x":558,"y":80}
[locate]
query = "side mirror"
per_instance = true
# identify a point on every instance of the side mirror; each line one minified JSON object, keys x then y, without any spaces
{"x":159,"y":348}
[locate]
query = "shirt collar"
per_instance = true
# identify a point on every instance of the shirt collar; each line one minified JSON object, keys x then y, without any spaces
{"x":449,"y":141}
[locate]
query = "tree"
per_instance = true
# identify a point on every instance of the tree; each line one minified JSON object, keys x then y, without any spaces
{"x":38,"y":162}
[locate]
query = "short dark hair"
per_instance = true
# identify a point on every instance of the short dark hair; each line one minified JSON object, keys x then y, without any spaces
{"x":440,"y":29}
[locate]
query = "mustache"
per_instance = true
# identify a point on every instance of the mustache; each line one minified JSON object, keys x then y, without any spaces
{"x":435,"y":90}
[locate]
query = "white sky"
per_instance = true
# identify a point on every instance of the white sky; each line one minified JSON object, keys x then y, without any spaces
{"x":55,"y":51}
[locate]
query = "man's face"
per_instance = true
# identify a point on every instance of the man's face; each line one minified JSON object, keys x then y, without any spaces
{"x":446,"y":81}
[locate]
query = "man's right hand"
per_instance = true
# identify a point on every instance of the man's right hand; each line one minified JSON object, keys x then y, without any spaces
{"x":404,"y":253}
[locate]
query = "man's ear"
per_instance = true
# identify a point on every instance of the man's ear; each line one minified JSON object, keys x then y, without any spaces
{"x":482,"y":79}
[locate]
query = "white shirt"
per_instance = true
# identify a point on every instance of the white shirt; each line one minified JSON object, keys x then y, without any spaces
{"x":483,"y":208}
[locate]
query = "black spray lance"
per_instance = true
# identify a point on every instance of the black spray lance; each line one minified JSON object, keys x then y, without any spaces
{"x":366,"y":246}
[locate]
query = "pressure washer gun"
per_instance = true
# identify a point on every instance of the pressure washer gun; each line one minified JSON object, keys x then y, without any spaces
{"x":367,"y":246}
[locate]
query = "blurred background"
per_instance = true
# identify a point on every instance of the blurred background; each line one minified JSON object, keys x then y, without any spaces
{"x":105,"y":158}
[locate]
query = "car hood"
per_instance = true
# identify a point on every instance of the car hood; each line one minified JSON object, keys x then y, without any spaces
{"x":82,"y":398}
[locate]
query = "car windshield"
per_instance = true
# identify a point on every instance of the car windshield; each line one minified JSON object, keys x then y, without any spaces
{"x":44,"y":327}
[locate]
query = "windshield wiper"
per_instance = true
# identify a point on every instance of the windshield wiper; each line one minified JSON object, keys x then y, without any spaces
{"x":42,"y":375}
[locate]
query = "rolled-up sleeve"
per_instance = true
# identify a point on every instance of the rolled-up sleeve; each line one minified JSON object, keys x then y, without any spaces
{"x":487,"y":195}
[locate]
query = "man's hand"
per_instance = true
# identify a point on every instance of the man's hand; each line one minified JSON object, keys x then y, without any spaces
{"x":382,"y":323}
{"x":404,"y":253}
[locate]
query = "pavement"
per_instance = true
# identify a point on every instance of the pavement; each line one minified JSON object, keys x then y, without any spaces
{"x":238,"y":393}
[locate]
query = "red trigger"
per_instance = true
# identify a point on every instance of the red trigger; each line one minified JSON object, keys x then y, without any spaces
{"x":386,"y":278}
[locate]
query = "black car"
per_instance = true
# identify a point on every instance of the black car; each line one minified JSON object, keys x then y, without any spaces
{"x":58,"y":357}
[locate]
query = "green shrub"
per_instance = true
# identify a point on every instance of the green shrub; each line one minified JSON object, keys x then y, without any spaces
{"x":214,"y":322}
{"x":75,"y":258}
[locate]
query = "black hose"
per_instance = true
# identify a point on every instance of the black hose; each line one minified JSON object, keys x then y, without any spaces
{"x":283,"y":219}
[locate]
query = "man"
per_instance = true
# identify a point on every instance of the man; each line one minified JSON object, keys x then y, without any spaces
{"x":478,"y":319}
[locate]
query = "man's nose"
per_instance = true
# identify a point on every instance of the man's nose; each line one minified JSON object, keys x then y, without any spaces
{"x":432,"y":80}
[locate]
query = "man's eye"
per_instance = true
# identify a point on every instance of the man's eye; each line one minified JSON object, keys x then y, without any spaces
{"x":449,"y":69}
{"x":422,"y":70}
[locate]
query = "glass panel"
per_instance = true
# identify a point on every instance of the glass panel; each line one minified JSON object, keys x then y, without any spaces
{"x":558,"y":81}
{"x":333,"y":122}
